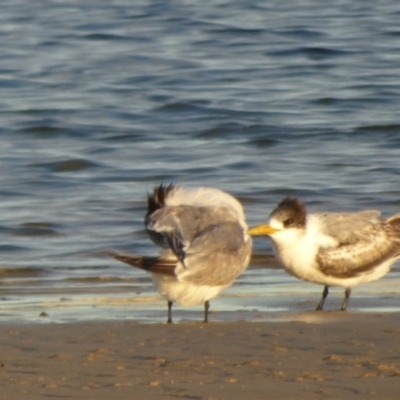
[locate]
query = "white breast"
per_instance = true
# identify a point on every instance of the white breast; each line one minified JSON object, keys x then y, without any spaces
{"x":297,"y":250}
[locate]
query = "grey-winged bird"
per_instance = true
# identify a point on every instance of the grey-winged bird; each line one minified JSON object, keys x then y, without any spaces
{"x":332,"y":249}
{"x":206,"y":245}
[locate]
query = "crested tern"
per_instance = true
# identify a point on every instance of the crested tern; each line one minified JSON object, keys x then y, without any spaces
{"x":204,"y":234}
{"x":332,"y":249}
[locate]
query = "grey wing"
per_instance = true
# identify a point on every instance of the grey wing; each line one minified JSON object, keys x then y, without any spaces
{"x":348,"y":228}
{"x":363,"y":244}
{"x":216,"y":256}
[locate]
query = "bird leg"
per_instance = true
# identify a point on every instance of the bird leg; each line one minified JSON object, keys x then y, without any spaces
{"x":169,"y":320}
{"x":206,"y":308}
{"x":322,"y":301}
{"x":347,"y":294}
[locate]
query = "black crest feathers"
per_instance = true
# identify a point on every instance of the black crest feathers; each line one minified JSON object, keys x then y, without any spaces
{"x":156,"y":199}
{"x":291,"y":209}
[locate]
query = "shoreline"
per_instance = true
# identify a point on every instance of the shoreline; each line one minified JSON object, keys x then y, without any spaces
{"x":329,"y":354}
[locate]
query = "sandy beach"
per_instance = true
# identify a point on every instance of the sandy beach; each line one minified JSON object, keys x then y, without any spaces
{"x":327,"y":355}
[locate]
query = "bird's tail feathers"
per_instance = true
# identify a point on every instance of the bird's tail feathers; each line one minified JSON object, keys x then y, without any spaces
{"x":157,"y":265}
{"x":140,"y":262}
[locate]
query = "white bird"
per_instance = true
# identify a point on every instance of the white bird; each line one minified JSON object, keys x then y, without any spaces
{"x":332,"y":249}
{"x":207,"y":245}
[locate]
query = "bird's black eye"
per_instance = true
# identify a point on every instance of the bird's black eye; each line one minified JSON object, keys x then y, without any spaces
{"x":288,"y":222}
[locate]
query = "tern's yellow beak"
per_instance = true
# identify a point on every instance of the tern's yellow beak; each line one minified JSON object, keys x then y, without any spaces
{"x":262,"y":230}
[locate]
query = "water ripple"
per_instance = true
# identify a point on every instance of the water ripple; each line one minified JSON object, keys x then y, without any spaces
{"x":103,"y":100}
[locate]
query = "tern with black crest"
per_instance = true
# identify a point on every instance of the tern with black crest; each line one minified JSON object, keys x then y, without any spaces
{"x":332,"y":249}
{"x":206,"y":245}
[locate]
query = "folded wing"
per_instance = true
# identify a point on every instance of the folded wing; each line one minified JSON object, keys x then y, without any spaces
{"x":209,"y":243}
{"x":364,"y":241}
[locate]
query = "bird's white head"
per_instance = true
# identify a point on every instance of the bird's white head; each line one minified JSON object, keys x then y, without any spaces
{"x":286,"y":221}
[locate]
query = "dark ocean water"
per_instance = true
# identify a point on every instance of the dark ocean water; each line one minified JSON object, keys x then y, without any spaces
{"x":102,"y":100}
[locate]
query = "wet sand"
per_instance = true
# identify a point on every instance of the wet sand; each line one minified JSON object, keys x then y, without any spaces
{"x":327,"y":355}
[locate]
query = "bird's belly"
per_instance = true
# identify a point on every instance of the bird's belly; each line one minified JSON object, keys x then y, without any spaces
{"x":183,"y":293}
